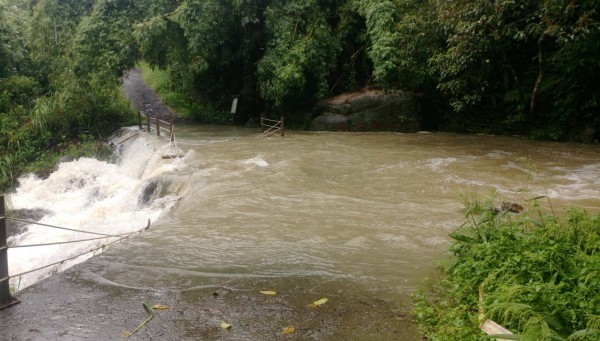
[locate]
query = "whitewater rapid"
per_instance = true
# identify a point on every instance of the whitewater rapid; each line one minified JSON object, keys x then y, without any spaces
{"x":91,"y":195}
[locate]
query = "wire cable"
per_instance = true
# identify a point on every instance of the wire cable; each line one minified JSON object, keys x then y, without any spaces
{"x":57,"y":243}
{"x":63,"y":228}
{"x":73,"y":257}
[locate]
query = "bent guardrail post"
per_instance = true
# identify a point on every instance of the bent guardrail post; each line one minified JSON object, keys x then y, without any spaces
{"x":5,"y":297}
{"x":157,"y":125}
{"x":148,"y":123}
{"x":140,"y":119}
{"x":282,"y":127}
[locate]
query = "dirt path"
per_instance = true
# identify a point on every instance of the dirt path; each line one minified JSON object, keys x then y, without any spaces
{"x":143,"y":97}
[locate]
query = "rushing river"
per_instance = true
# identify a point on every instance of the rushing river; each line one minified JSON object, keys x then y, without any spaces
{"x":359,"y":217}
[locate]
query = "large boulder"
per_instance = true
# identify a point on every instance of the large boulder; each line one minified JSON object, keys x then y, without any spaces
{"x":371,"y":110}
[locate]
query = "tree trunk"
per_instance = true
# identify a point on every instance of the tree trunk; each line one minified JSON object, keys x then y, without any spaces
{"x":540,"y":77}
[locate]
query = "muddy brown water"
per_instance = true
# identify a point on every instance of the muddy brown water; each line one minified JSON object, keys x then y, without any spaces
{"x":358,"y":218}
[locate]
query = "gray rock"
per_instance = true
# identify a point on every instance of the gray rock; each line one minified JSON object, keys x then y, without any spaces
{"x":331,"y":122}
{"x":14,"y":228}
{"x":370,"y":110}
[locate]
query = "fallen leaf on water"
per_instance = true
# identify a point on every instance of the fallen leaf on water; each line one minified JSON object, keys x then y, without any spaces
{"x":160,"y":307}
{"x":225,"y":325}
{"x":269,"y":292}
{"x":288,"y":330}
{"x":318,"y":303}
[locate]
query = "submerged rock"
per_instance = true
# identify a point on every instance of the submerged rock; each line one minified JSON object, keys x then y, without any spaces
{"x":371,"y":110}
{"x":14,"y":228}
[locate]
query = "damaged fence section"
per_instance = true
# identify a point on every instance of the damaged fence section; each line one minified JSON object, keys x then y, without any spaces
{"x":269,"y":127}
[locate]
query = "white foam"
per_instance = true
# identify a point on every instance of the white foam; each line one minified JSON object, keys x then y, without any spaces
{"x":258,"y":161}
{"x":577,"y":183}
{"x":436,"y":164}
{"x":91,"y":195}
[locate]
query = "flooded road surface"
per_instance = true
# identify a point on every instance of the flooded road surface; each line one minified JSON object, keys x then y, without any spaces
{"x":357,"y":218}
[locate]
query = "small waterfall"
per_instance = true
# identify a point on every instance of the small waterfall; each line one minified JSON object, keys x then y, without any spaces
{"x":91,"y":195}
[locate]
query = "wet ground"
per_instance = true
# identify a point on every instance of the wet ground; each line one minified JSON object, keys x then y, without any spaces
{"x":82,"y":303}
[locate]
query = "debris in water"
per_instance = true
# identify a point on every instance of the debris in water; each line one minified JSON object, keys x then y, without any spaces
{"x":511,"y":207}
{"x":269,"y":292}
{"x":225,"y":325}
{"x":318,"y":303}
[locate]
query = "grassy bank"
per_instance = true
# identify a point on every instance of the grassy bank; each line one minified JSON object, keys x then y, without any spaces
{"x":538,"y":275}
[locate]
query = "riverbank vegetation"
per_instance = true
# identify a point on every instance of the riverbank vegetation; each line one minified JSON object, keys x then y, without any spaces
{"x":535,"y":274}
{"x":487,"y":66}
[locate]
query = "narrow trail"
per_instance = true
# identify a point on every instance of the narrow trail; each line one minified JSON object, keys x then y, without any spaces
{"x":143,"y":97}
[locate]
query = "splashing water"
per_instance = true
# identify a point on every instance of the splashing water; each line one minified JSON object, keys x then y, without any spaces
{"x":89,"y":195}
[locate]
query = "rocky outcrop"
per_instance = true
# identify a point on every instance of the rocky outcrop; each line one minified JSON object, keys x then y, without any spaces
{"x":370,"y":110}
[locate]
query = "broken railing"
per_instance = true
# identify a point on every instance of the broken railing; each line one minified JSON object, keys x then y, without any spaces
{"x":270,"y":127}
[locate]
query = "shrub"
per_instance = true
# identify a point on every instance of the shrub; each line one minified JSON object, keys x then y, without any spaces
{"x":540,"y":275}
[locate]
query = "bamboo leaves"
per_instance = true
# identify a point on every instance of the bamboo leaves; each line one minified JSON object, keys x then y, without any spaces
{"x":301,"y":52}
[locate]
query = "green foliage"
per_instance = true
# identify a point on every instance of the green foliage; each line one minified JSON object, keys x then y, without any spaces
{"x":51,"y":27}
{"x":102,"y":45}
{"x":401,"y":40}
{"x":208,"y":48}
{"x":61,"y":84}
{"x":540,"y":276}
{"x":499,"y":66}
{"x":84,"y":48}
{"x":506,"y":60}
{"x":301,"y":52}
{"x":13,"y":55}
{"x":444,"y":317}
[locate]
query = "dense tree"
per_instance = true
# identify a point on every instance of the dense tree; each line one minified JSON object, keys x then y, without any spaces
{"x":51,"y":28}
{"x":13,"y":55}
{"x":301,"y":52}
{"x":505,"y":60}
